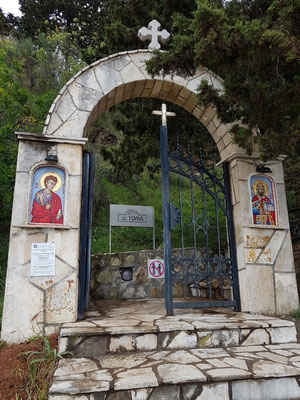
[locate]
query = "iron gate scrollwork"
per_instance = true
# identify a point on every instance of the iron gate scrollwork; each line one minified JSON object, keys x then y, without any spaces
{"x":200,"y":220}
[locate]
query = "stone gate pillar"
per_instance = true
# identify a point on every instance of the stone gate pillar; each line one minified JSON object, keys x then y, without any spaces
{"x":264,"y":250}
{"x":35,"y":304}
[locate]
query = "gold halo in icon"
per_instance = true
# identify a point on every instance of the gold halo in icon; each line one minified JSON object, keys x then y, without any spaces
{"x":260,"y":182}
{"x":58,"y":183}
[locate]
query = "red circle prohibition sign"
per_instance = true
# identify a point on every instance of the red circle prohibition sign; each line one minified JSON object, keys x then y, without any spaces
{"x":155,"y":270}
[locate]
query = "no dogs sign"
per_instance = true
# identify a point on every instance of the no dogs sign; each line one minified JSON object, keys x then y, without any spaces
{"x":156,"y":268}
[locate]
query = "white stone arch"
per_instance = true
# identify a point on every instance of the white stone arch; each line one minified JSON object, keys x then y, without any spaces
{"x":123,"y":76}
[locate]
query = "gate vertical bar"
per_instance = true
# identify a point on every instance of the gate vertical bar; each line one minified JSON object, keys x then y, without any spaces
{"x":231,"y":237}
{"x":89,"y":230}
{"x":166,"y":218}
{"x":83,"y":234}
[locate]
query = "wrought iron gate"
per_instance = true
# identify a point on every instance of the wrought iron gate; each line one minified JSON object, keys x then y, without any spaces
{"x":85,"y":232}
{"x":200,"y":220}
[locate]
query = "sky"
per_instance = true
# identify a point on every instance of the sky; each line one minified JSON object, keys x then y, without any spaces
{"x":10,"y":6}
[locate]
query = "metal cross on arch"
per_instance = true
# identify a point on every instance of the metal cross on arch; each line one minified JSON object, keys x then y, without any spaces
{"x":164,"y":114}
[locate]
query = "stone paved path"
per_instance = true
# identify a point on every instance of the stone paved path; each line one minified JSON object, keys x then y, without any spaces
{"x":142,"y":325}
{"x":132,"y":351}
{"x":149,"y":369}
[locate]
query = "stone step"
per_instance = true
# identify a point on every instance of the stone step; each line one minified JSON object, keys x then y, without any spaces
{"x":268,"y":372}
{"x":131,"y":326}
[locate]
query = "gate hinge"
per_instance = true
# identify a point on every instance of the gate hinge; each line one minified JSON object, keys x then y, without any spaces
{"x":175,"y":216}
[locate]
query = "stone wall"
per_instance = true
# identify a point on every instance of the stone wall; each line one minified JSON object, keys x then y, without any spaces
{"x":106,"y":282}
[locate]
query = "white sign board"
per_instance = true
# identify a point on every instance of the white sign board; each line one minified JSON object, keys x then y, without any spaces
{"x":42,"y":259}
{"x":123,"y":215}
{"x":156,"y":268}
{"x":126,"y":215}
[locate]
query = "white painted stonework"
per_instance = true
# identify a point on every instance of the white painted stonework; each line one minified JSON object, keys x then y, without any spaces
{"x":267,"y":282}
{"x":35,"y":304}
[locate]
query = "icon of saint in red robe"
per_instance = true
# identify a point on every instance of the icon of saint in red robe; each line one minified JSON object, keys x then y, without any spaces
{"x":46,"y":207}
{"x":262,"y":206}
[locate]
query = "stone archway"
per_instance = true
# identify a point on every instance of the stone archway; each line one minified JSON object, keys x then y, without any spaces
{"x":264,"y":253}
{"x":123,"y":76}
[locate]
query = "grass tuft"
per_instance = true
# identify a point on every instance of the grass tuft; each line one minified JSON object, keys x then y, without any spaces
{"x":41,"y":365}
{"x":296,"y":313}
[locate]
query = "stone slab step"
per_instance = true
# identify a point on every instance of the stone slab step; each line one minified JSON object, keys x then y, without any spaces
{"x":127,"y":329}
{"x":267,"y":372}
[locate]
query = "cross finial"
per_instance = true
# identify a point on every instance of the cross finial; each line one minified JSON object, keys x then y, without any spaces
{"x":164,"y":114}
{"x":153,"y":34}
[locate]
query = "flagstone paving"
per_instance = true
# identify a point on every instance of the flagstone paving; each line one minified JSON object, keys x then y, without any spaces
{"x":135,"y":325}
{"x":150,"y":369}
{"x":130,"y":350}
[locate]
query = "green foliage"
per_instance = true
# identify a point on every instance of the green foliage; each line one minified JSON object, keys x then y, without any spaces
{"x":12,"y":99}
{"x":146,"y":191}
{"x":99,"y":27}
{"x":8,"y":23}
{"x":127,"y":152}
{"x":123,"y":238}
{"x":39,"y":16}
{"x":292,"y":181}
{"x":31,"y":73}
{"x":41,"y":365}
{"x":296,"y":313}
{"x":254,"y":46}
{"x":140,"y":141}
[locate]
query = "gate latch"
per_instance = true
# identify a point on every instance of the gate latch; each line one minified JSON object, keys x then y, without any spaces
{"x":175,"y":216}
